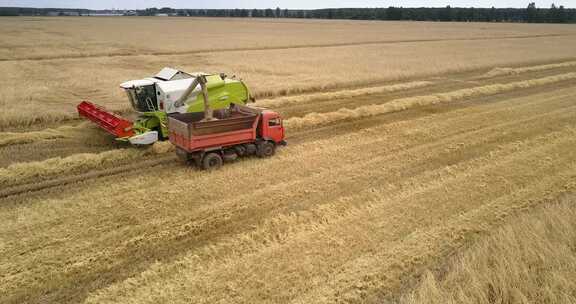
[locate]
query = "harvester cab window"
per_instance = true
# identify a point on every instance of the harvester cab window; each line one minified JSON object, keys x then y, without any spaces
{"x":273,"y":122}
{"x":145,"y":99}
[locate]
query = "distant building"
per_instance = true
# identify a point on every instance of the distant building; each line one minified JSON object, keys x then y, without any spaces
{"x":63,"y":13}
{"x":104,"y":14}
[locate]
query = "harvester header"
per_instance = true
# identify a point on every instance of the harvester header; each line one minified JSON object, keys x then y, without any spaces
{"x":112,"y":123}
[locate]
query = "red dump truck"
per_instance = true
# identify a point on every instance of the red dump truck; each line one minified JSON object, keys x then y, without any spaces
{"x":232,"y":133}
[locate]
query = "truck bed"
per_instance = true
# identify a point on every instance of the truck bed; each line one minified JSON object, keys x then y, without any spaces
{"x":190,"y":133}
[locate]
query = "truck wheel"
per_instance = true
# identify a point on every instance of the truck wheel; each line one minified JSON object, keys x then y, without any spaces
{"x":212,"y":161}
{"x":266,"y":149}
{"x":230,"y":156}
{"x":182,"y":155}
{"x":250,"y":149}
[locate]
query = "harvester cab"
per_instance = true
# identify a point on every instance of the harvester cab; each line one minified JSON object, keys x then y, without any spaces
{"x":148,"y":94}
{"x":168,"y":92}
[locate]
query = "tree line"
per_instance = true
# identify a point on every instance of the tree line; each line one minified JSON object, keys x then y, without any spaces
{"x":530,"y":14}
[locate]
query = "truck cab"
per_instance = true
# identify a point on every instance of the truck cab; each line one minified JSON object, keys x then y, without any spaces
{"x":272,"y":128}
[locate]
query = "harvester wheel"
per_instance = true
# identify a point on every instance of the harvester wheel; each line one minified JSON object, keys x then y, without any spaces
{"x":159,"y":130}
{"x":266,"y":149}
{"x":212,"y":161}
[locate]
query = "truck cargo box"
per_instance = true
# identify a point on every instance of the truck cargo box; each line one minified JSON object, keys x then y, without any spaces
{"x":231,"y":127}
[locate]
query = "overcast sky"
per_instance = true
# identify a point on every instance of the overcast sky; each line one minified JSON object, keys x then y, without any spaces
{"x":306,"y":4}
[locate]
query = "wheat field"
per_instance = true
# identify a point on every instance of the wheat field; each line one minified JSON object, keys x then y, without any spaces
{"x":419,"y":156}
{"x":531,"y":259}
{"x":60,"y":61}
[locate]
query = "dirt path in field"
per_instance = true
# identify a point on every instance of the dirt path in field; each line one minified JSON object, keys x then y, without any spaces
{"x":348,"y":212}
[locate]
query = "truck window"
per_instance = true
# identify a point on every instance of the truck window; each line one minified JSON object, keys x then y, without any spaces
{"x":274,"y":122}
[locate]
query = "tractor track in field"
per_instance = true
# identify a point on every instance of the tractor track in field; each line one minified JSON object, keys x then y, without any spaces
{"x":468,"y":131}
{"x":136,"y":167}
{"x":298,"y":137}
{"x":272,"y":48}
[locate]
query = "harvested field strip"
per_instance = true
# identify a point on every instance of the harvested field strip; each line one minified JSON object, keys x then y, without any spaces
{"x":21,"y":173}
{"x":149,"y":235}
{"x":531,"y":253}
{"x":141,"y":165}
{"x":260,"y":48}
{"x":21,"y":118}
{"x":382,"y":271}
{"x":14,"y":138}
{"x":496,"y":72}
{"x":197,"y":271}
{"x":286,"y":101}
{"x":314,"y":119}
{"x":164,"y":147}
{"x":409,"y":180}
{"x":210,"y":210}
{"x":540,"y":108}
{"x":66,"y":143}
{"x":32,"y":171}
{"x":84,"y":129}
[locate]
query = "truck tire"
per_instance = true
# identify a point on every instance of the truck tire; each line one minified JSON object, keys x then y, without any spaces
{"x":250,"y":149}
{"x":266,"y":149}
{"x":230,"y":155}
{"x":212,"y":161}
{"x":183,"y":156}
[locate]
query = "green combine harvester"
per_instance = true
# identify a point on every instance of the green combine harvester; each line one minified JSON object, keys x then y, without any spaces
{"x":169,"y":92}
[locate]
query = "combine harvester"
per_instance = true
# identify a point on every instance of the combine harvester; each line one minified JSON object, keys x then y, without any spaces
{"x":170,"y":91}
{"x":202,"y":135}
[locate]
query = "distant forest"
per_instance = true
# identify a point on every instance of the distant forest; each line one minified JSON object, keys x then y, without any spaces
{"x":530,"y":14}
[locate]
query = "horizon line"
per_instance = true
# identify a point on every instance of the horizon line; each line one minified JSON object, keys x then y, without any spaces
{"x":300,"y":9}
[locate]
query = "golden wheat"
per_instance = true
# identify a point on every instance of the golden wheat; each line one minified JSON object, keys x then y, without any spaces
{"x":12,"y":138}
{"x":314,"y":119}
{"x":207,"y":271}
{"x":521,"y":70}
{"x":285,"y":101}
{"x":66,"y":37}
{"x":22,"y":172}
{"x":20,"y":117}
{"x":344,"y":213}
{"x":377,"y":200}
{"x":19,"y":172}
{"x":530,"y":260}
{"x":299,"y":61}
